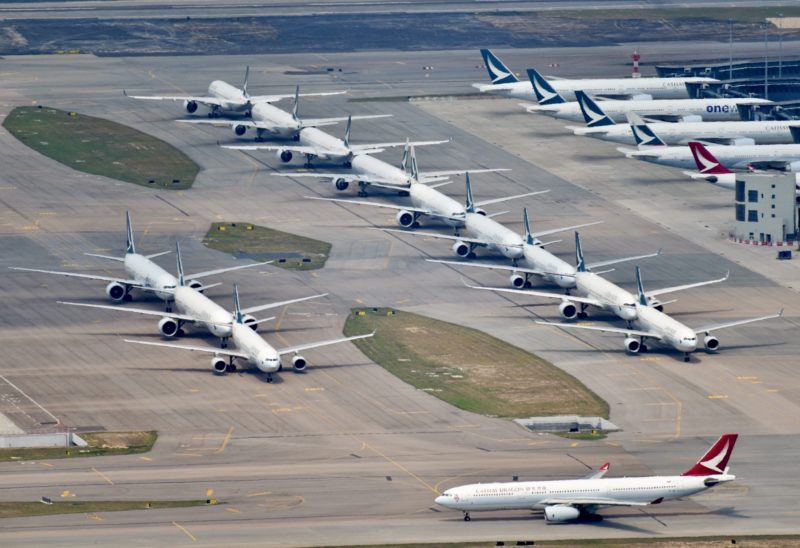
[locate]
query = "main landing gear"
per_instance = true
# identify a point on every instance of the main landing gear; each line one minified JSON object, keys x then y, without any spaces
{"x":466,"y":517}
{"x":582,"y":315}
{"x":362,"y":189}
{"x":687,"y":356}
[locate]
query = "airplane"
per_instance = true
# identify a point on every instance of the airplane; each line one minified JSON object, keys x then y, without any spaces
{"x":370,"y":171}
{"x":505,"y":83}
{"x":594,"y":290}
{"x":711,"y":170}
{"x":640,"y":132}
{"x":143,"y":274}
{"x":654,"y":324}
{"x":251,"y":348}
{"x":487,"y":232}
{"x":198,"y":310}
{"x":743,"y":158}
{"x":315,"y":143}
{"x":224,"y":98}
{"x":569,"y":500}
{"x":270,"y":120}
{"x":537,"y":261}
{"x":607,"y":113}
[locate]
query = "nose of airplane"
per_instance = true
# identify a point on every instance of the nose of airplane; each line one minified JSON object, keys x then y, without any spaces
{"x":440,"y":500}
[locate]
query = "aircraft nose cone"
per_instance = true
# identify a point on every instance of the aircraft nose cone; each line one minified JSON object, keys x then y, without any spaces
{"x":441,"y":500}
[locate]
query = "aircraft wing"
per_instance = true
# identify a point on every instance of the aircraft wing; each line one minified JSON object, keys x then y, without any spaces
{"x":223,"y":270}
{"x":203,"y":100}
{"x":599,"y":473}
{"x":224,"y":123}
{"x":318,"y":122}
{"x":601,"y":264}
{"x":544,"y":294}
{"x":378,"y":147}
{"x":436,"y":175}
{"x":707,"y":328}
{"x":349,"y":177}
{"x":475,"y":241}
{"x":507,"y":198}
{"x":376,"y":204}
{"x":562,"y":229}
{"x":134,"y":283}
{"x":685,"y":286}
{"x":607,"y":329}
{"x":308,"y":346}
{"x":280,"y":97}
{"x":299,"y":149}
{"x":490,"y":266}
{"x":593,"y":502}
{"x":144,"y":311}
{"x":192,"y":348}
{"x":261,"y":307}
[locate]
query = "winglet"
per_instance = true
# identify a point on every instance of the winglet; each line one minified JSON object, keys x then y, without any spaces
{"x":706,"y":162}
{"x":580,"y":263}
{"x":545,"y":93}
{"x":347,"y":132}
{"x":640,"y":287}
{"x":593,"y":115}
{"x":469,"y":206}
{"x":295,"y":105}
{"x":529,"y":239}
{"x":179,"y":260}
{"x":715,"y":461}
{"x":130,"y":247}
{"x":237,"y":309}
{"x":498,"y":72}
{"x":404,"y":160}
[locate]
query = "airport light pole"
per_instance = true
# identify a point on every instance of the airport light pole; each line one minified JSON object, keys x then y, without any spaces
{"x":766,"y":57}
{"x":780,"y":45}
{"x":730,"y":49}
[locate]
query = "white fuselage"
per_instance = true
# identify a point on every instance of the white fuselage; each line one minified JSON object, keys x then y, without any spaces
{"x":680,"y":133}
{"x":707,"y":109}
{"x":326,"y":147}
{"x":259,"y":352}
{"x":425,"y":197}
{"x":613,"y":298}
{"x":657,"y":88}
{"x":211,"y":316}
{"x":231,"y":97}
{"x":732,"y":157}
{"x":502,"y":239}
{"x":367,"y":165}
{"x":558,"y":271}
{"x":274,"y":120}
{"x":154,"y":278}
{"x":673,"y":332}
{"x":526,"y":495}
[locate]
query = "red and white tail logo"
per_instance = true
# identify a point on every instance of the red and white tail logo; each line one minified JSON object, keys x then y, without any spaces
{"x":605,"y":467}
{"x":706,"y":163}
{"x":716,"y":459}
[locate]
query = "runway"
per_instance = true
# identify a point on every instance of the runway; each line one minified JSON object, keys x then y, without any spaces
{"x":346,"y":453}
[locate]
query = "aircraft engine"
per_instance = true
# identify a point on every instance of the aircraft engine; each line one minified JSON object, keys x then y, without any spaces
{"x":632,"y":345}
{"x":405,"y":219}
{"x":655,"y":303}
{"x":568,"y":310}
{"x":190,"y":106}
{"x":461,"y":249}
{"x":711,"y":342}
{"x":340,"y":184}
{"x":168,"y":326}
{"x":197,"y":285}
{"x":480,"y":211}
{"x":561,"y":513}
{"x":299,"y":363}
{"x":742,"y":141}
{"x":792,"y":166}
{"x":250,"y":322}
{"x":721,"y":178}
{"x":239,"y":129}
{"x":691,"y":118}
{"x":116,"y":291}
{"x":285,"y":155}
{"x":517,"y":280}
{"x":220,"y":365}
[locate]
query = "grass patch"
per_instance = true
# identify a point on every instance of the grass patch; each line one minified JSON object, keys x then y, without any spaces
{"x":27,"y":509}
{"x":468,"y":368}
{"x":102,"y":147}
{"x":100,"y":444}
{"x":589,"y":436}
{"x":762,"y":541}
{"x":263,"y":244}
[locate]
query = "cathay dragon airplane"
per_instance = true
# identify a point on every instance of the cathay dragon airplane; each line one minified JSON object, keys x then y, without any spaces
{"x":651,"y":323}
{"x":251,"y":348}
{"x":194,"y":308}
{"x":223,"y":98}
{"x":607,"y":113}
{"x":569,"y":500}
{"x":274,"y":122}
{"x":142,"y":274}
{"x":711,"y":170}
{"x":537,"y":261}
{"x":315,"y":143}
{"x":505,"y":83}
{"x":743,"y":158}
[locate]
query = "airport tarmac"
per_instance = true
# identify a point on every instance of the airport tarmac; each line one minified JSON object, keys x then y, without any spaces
{"x":346,"y":453}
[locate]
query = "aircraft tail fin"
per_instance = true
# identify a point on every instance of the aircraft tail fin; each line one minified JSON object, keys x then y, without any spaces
{"x":640,"y":287}
{"x":580,"y":262}
{"x":529,"y":239}
{"x":412,"y":156}
{"x":347,"y":132}
{"x":404,"y":161}
{"x":715,"y":461}
{"x":545,"y":93}
{"x":470,"y":204}
{"x":643,"y":133}
{"x":130,"y":246}
{"x":295,"y":106}
{"x":237,"y":308}
{"x":498,"y":72}
{"x":593,"y":114}
{"x":246,"y":77}
{"x":706,"y":162}
{"x":179,"y":261}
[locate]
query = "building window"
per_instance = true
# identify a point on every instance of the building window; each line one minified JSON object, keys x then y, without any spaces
{"x":740,"y":212}
{"x":752,"y":215}
{"x":740,"y":191}
{"x":773,"y":215}
{"x":773,"y":207}
{"x":752,"y":196}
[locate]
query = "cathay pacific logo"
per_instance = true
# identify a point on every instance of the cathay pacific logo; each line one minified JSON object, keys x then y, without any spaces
{"x":713,"y":462}
{"x":708,"y":165}
{"x":645,"y":136}
{"x":498,"y":74}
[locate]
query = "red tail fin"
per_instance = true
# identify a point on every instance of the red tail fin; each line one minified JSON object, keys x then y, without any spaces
{"x":716,"y":459}
{"x":605,"y":467}
{"x":706,"y":163}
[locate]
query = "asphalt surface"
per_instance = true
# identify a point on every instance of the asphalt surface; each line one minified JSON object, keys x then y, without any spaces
{"x":346,"y":453}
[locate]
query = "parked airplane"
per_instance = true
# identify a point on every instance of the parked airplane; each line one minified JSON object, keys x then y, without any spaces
{"x":315,"y":143}
{"x":607,"y":113}
{"x":568,"y":500}
{"x":486,"y":232}
{"x":594,"y":290}
{"x":275,"y":122}
{"x":370,"y":171}
{"x":505,"y":83}
{"x":537,"y":261}
{"x":251,"y":348}
{"x":743,"y":158}
{"x":143,"y":274}
{"x":654,"y":324}
{"x":640,"y":132}
{"x":224,"y":98}
{"x":198,"y":310}
{"x":711,"y":170}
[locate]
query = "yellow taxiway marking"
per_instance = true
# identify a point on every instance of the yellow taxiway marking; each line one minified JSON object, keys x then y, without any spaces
{"x":717,"y":396}
{"x":226,"y":441}
{"x":194,"y":390}
{"x":314,"y":389}
{"x":65,"y":494}
{"x":46,"y":464}
{"x":233,"y":510}
{"x":772,"y":390}
{"x":259,"y":494}
{"x":401,"y":467}
{"x":102,"y":475}
{"x":745,"y":378}
{"x":574,"y":444}
{"x":95,"y":517}
{"x":209,"y":491}
{"x":185,"y":530}
{"x":148,"y":459}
